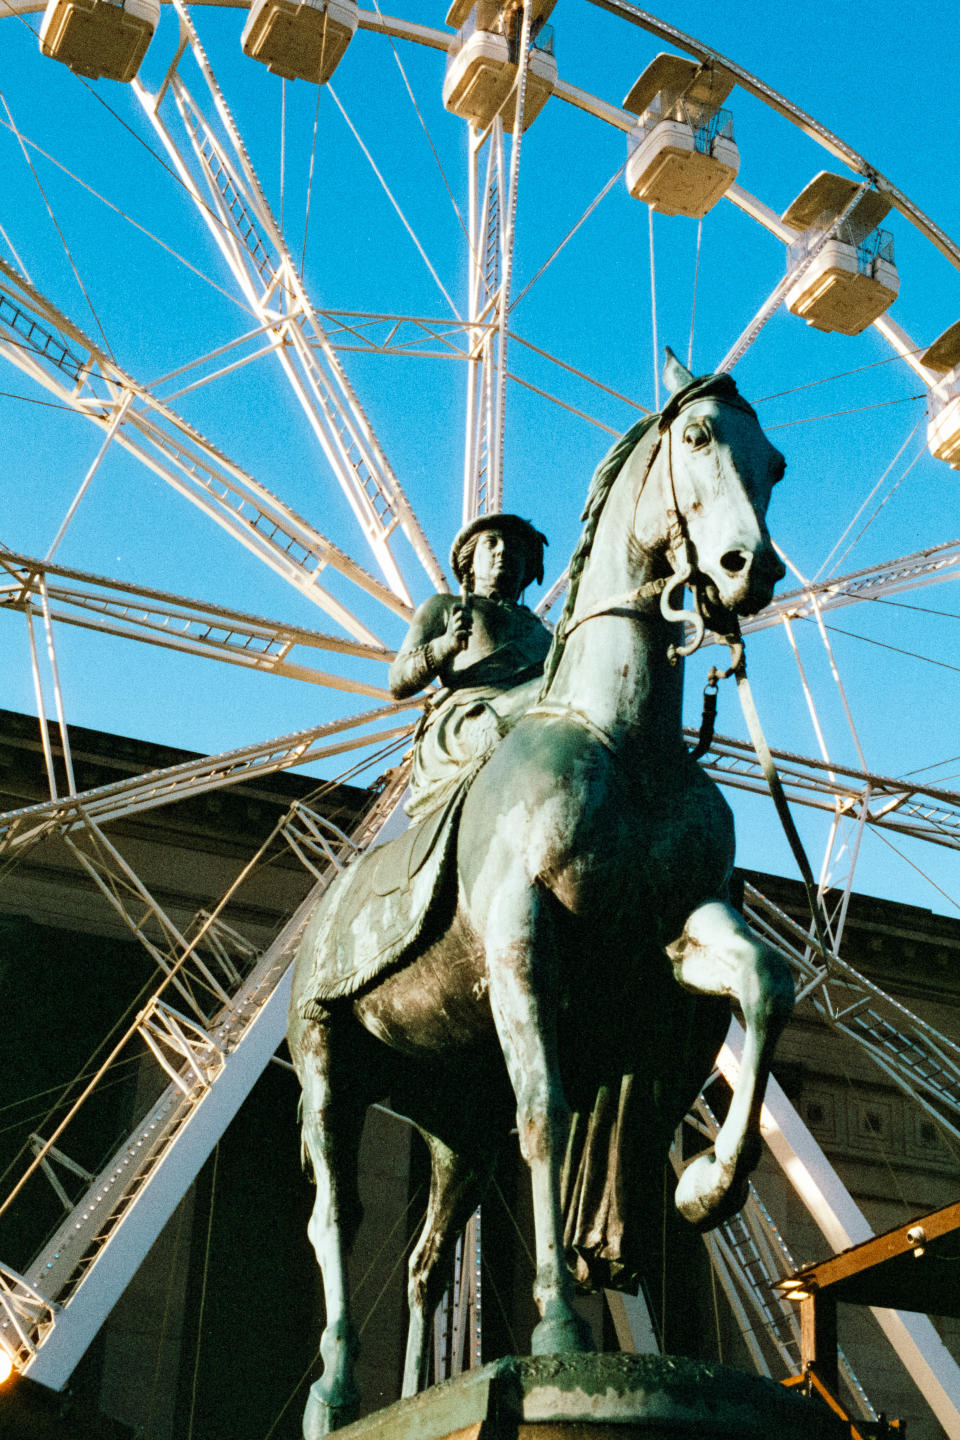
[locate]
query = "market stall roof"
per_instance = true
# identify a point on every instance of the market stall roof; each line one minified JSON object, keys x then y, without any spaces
{"x":914,"y":1267}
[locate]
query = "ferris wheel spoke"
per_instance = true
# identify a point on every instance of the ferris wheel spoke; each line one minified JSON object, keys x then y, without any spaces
{"x":173,"y":622}
{"x":40,"y":341}
{"x":893,"y":577}
{"x":492,"y":188}
{"x":241,"y":222}
{"x":22,"y":828}
{"x":921,"y":813}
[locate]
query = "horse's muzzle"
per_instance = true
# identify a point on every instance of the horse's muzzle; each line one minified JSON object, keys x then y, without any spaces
{"x":747,"y":579}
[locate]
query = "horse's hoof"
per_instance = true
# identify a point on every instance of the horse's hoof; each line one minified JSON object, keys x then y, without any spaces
{"x":321,"y":1415}
{"x":709,"y":1193}
{"x":560,"y":1332}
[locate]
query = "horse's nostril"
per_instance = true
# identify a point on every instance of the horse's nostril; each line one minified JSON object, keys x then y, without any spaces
{"x":734,"y":561}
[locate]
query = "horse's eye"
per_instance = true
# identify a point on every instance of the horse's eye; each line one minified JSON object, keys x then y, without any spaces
{"x":696,"y":435}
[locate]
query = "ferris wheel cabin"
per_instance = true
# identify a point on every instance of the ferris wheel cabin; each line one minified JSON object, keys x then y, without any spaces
{"x":943,"y":401}
{"x":847,"y":279}
{"x":304,"y":41}
{"x":98,"y":38}
{"x":682,"y":154}
{"x":483,"y":61}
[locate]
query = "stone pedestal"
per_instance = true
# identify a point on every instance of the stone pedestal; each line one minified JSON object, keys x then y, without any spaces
{"x":602,"y":1397}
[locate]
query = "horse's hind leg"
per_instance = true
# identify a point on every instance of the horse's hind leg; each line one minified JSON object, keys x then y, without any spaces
{"x":457,"y":1182}
{"x":332,"y":1119}
{"x":718,"y":954}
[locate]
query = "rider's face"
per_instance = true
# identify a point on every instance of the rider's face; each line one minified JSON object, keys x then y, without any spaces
{"x":498,"y":562}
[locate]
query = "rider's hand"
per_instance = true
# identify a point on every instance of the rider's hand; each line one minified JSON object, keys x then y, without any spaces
{"x":459,"y":624}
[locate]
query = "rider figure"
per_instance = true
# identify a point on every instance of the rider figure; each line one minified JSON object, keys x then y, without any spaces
{"x":486,"y":649}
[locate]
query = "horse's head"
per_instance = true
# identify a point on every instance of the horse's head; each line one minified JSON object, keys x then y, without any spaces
{"x":721,"y":470}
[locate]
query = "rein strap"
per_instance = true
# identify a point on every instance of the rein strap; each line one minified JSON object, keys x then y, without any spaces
{"x":627,"y":602}
{"x":775,"y":786}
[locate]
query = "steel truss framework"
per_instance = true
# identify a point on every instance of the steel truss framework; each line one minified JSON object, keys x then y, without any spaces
{"x":217,"y":1016}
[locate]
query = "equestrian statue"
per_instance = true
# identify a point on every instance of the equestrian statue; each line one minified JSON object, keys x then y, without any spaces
{"x":551,"y":944}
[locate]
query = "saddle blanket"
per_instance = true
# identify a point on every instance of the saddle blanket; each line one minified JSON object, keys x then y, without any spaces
{"x":377,"y":908}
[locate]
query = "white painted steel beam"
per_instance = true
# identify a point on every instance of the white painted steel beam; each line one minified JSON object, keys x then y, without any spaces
{"x":481,"y":452}
{"x":922,"y":812}
{"x":20,"y":828}
{"x":175,"y":1150}
{"x":40,"y":341}
{"x":913,"y":1337}
{"x":893,"y":577}
{"x":225,"y":188}
{"x":754,"y":1255}
{"x":918,"y":1058}
{"x":174,"y":622}
{"x":81,"y":1272}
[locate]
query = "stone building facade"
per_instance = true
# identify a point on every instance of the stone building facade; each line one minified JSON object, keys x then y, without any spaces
{"x":216,"y":1336}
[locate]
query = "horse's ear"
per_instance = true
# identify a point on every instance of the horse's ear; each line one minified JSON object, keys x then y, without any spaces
{"x":675,"y":373}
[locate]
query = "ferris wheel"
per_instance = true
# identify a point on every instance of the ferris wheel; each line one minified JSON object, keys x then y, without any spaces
{"x":268,"y":346}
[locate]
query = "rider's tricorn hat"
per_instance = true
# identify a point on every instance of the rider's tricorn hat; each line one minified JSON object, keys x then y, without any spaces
{"x":461,"y":552}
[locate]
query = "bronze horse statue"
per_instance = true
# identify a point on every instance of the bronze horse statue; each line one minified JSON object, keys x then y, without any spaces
{"x":589,"y":911}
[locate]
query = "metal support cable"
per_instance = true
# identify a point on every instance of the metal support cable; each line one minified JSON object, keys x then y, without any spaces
{"x":886,"y":499}
{"x":313,"y":157}
{"x":885,"y":645}
{"x":838,"y":375}
{"x":580,"y":374}
{"x":570,"y":234}
{"x":115,"y":424}
{"x":426,"y":131}
{"x":508,"y":230}
{"x":13,"y":252}
{"x":696,"y":281}
{"x":283,"y":145}
{"x":56,"y":225}
{"x":394,"y":202}
{"x":653,"y":315}
{"x":203,"y":1294}
{"x":860,"y":509}
{"x":950,"y":899}
{"x":852,"y":410}
{"x":84,"y":185}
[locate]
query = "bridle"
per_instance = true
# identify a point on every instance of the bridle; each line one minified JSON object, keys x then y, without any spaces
{"x":680,"y":553}
{"x":723,"y":622}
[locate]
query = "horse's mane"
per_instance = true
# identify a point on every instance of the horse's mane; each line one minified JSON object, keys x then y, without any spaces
{"x":600,"y":486}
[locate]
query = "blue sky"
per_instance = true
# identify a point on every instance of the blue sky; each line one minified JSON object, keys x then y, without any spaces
{"x":884,"y":85}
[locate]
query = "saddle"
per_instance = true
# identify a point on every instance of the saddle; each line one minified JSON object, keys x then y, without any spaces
{"x":378,"y":908}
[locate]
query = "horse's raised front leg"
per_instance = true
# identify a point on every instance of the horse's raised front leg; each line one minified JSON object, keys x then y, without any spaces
{"x":522,"y":968}
{"x":457,"y":1182}
{"x":718,"y":954}
{"x":330,"y":1135}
